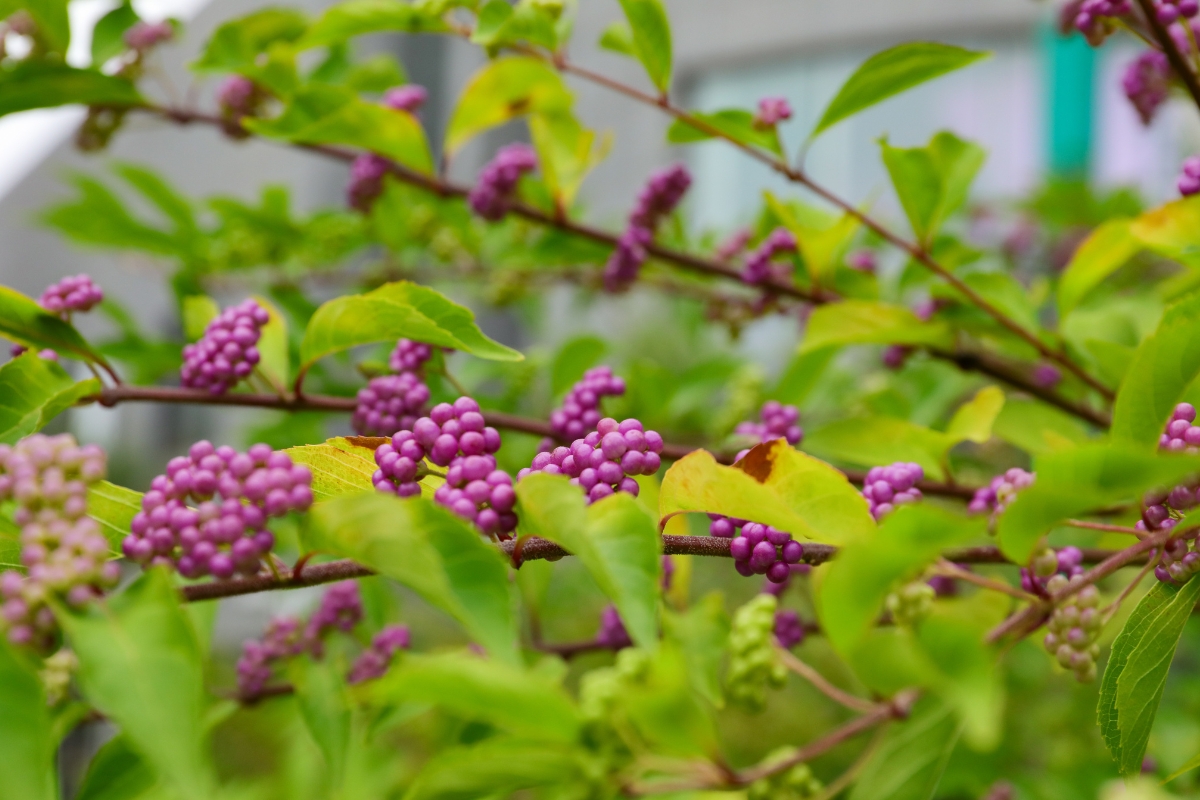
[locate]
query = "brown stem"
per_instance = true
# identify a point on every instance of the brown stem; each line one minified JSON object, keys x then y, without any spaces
{"x":823,"y":686}
{"x":1103,"y":526}
{"x":1178,"y":63}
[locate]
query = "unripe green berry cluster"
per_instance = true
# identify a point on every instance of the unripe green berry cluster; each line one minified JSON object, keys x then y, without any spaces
{"x":795,"y":783}
{"x":1073,"y":629}
{"x":911,"y":603}
{"x":754,"y":665}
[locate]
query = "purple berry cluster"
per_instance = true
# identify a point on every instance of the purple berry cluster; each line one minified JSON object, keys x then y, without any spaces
{"x":891,"y":486}
{"x":226,"y":353}
{"x":479,"y":492}
{"x":759,"y":268}
{"x":389,"y":403}
{"x":776,"y":421}
{"x":373,"y":662}
{"x":1001,"y":491}
{"x":366,"y":180}
{"x":224,"y":537}
{"x":401,"y":466}
{"x":340,"y":610}
{"x":493,"y":192}
{"x":758,"y":549}
{"x":409,"y":97}
{"x":772,"y":111}
{"x":1189,"y":176}
{"x":1169,"y":11}
{"x":863,"y":261}
{"x":1180,"y":433}
{"x":1066,"y":563}
{"x":63,"y":550}
{"x":1073,"y":628}
{"x":239,"y":97}
{"x":1095,"y":19}
{"x":604,"y":461}
{"x":1047,"y":376}
{"x":661,"y":194}
{"x":735,"y":244}
{"x":580,"y":410}
{"x":143,"y":36}
{"x":409,"y":356}
{"x":612,"y":633}
{"x":74,"y":293}
{"x":283,"y":639}
{"x":789,"y":629}
{"x":1147,"y":83}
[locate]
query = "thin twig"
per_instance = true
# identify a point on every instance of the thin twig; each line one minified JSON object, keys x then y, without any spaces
{"x":952,"y":570}
{"x":843,"y":781}
{"x":1112,"y":607}
{"x":1166,"y":42}
{"x":1103,"y":526}
{"x":822,"y":685}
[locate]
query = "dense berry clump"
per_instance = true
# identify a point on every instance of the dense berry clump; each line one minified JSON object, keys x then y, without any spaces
{"x":772,"y":111}
{"x":1189,"y":176}
{"x":1095,"y":19}
{"x":759,"y":268}
{"x":1001,"y":491}
{"x":606,"y":460}
{"x":74,"y":293}
{"x":1181,"y":433}
{"x":64,"y":552}
{"x":373,"y":662}
{"x":788,"y":629}
{"x":409,"y":97}
{"x":580,"y":410}
{"x":776,"y":421}
{"x":888,"y":487}
{"x":389,"y":403}
{"x":658,"y":199}
{"x":492,"y":194}
{"x":758,"y":549}
{"x":226,"y":532}
{"x":1073,"y":629}
{"x":612,"y":633}
{"x":754,"y":664}
{"x":479,"y":492}
{"x":1147,"y":83}
{"x":1067,"y":563}
{"x":409,"y":356}
{"x":367,"y":172}
{"x":227,"y":351}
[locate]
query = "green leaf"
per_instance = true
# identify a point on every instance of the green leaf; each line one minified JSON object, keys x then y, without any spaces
{"x":99,"y":217}
{"x":1084,"y":478}
{"x":25,"y":734}
{"x":1101,"y":254}
{"x":325,"y":706}
{"x":667,"y":712}
{"x":339,"y":467}
{"x":974,"y":419}
{"x":774,"y":484}
{"x":567,"y":152}
{"x":702,"y":634}
{"x":274,"y":364}
{"x":503,"y":90}
{"x":735,"y":123}
{"x":357,"y":17}
{"x":1137,"y":670}
{"x":618,"y":38}
{"x":1164,"y":366}
{"x":512,"y":698}
{"x":29,"y":385}
{"x":615,"y":539}
{"x":114,"y":507}
{"x":325,"y":114}
{"x":870,"y":441}
{"x":116,"y":772}
{"x":52,"y":21}
{"x":870,"y":322}
{"x":499,"y":24}
{"x":158,"y":191}
{"x":434,"y":553}
{"x":574,"y":358}
{"x":108,"y":35}
{"x":910,"y":764}
{"x":1170,"y":230}
{"x":25,"y":322}
{"x":651,"y":35}
{"x":891,"y":72}
{"x":932,"y":181}
{"x":239,"y":44}
{"x":390,"y":312}
{"x":496,"y":767}
{"x":39,"y":83}
{"x":140,"y":664}
{"x":198,"y":311}
{"x":870,"y":566}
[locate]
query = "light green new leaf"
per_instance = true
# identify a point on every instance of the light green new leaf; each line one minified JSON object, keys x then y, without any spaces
{"x":25,"y":322}
{"x":1137,"y":670}
{"x":576,"y":357}
{"x":615,"y":538}
{"x":339,"y":467}
{"x":735,"y":123}
{"x":774,"y":484}
{"x":870,"y":566}
{"x":503,"y":90}
{"x":141,"y":666}
{"x":108,"y":36}
{"x":910,"y":764}
{"x":116,"y":772}
{"x":512,"y":698}
{"x":240,"y":45}
{"x":324,"y":704}
{"x":932,"y":181}
{"x":618,"y":38}
{"x":499,"y":24}
{"x":1038,"y":428}
{"x":33,"y":391}
{"x":871,"y":322}
{"x":567,"y":152}
{"x":651,"y":34}
{"x":346,"y":20}
{"x":1170,"y":230}
{"x":1164,"y":366}
{"x":198,"y":311}
{"x":974,"y":419}
{"x":114,"y":507}
{"x":431,"y":551}
{"x":823,"y":239}
{"x":1101,"y":254}
{"x":891,"y":72}
{"x":274,"y":363}
{"x":25,"y":731}
{"x":667,"y":712}
{"x":881,"y":440}
{"x":51,"y":19}
{"x":1081,"y":479}
{"x":394,"y":311}
{"x":496,"y":767}
{"x":702,"y":634}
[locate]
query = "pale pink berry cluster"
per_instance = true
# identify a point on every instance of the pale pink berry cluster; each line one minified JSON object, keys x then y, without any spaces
{"x":389,"y":403}
{"x":492,"y":194}
{"x":1001,"y":491}
{"x":73,"y":293}
{"x":479,"y":492}
{"x":226,"y":533}
{"x":758,"y":549}
{"x":604,"y":461}
{"x":776,"y":421}
{"x":63,"y":550}
{"x":227,"y":352}
{"x":891,"y":486}
{"x":772,"y":111}
{"x":580,"y":410}
{"x":143,"y":36}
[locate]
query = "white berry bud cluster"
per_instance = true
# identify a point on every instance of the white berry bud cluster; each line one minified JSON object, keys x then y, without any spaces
{"x":1073,"y":629}
{"x":65,"y":554}
{"x":911,"y":603}
{"x":754,"y":665}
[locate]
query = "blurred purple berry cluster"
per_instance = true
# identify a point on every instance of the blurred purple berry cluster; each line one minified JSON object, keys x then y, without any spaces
{"x":1067,"y":562}
{"x":409,"y":356}
{"x":239,"y":97}
{"x":789,"y":629}
{"x":776,"y":421}
{"x":606,"y":460}
{"x":494,"y":190}
{"x":1001,"y":491}
{"x":758,"y":549}
{"x":409,"y":97}
{"x":759,"y":268}
{"x":373,"y":662}
{"x":479,"y":492}
{"x":891,"y":486}
{"x":226,"y":533}
{"x":580,"y":410}
{"x":63,"y":550}
{"x":143,"y":36}
{"x":1189,"y":176}
{"x":612,"y":633}
{"x":389,"y":403}
{"x":657,"y":200}
{"x":1096,"y":19}
{"x":366,"y":180}
{"x":73,"y":293}
{"x":283,"y":639}
{"x":772,"y":111}
{"x":1147,"y":83}
{"x":227,"y":351}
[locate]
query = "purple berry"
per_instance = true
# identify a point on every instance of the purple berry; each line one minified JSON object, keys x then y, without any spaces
{"x":493,"y":192}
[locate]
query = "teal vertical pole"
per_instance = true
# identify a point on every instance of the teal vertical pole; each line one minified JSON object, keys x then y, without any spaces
{"x":1070,"y":80}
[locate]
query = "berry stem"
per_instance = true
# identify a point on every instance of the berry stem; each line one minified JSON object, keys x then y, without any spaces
{"x":951,"y":570}
{"x":822,"y":685}
{"x":1167,"y":44}
{"x":1102,"y":526}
